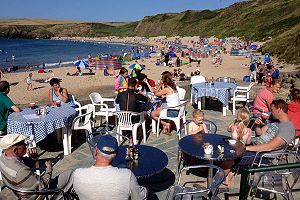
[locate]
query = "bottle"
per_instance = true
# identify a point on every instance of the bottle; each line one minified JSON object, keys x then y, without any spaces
{"x":131,"y":148}
{"x":212,"y":81}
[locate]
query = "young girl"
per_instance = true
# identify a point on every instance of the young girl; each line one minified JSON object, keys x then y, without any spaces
{"x":197,"y":125}
{"x":29,"y":81}
{"x":239,"y":132}
{"x":239,"y":127}
{"x":121,"y":81}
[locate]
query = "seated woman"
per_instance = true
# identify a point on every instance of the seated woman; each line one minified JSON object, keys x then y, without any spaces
{"x":167,"y":88}
{"x":59,"y":94}
{"x":147,"y":84}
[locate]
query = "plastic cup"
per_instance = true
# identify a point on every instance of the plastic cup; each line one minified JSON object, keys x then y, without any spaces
{"x":32,"y":105}
{"x":57,"y":103}
{"x":264,"y":117}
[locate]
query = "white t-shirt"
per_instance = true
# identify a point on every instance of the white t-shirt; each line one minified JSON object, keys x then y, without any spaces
{"x":197,"y":79}
{"x":107,"y":183}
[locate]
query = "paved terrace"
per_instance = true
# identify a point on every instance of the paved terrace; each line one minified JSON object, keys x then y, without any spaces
{"x":81,"y":155}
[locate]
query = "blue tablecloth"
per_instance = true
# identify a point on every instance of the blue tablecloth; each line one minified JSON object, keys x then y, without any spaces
{"x":43,"y":125}
{"x":151,"y":105}
{"x":219,"y":90}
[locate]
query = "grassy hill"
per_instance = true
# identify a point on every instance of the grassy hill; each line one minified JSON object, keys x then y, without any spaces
{"x":259,"y":20}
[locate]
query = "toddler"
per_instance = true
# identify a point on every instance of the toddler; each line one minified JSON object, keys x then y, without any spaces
{"x":197,"y":125}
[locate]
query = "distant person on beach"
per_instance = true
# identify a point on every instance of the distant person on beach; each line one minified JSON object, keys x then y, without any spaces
{"x":29,"y":81}
{"x":121,"y":81}
{"x":58,"y":95}
{"x":5,"y":106}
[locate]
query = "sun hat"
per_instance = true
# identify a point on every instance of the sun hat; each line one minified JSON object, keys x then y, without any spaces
{"x":107,"y":144}
{"x":11,"y":139}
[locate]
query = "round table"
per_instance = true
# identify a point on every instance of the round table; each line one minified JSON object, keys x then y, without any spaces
{"x":28,"y":123}
{"x":151,"y":161}
{"x":192,"y":146}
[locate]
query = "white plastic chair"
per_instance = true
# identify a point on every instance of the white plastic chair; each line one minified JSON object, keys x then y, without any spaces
{"x":82,"y":122}
{"x":75,"y":102}
{"x":104,"y":110}
{"x":181,"y":93}
{"x":176,"y":120}
{"x":240,"y":94}
{"x":125,"y":123}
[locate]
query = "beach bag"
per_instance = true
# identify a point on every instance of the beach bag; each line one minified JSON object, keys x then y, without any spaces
{"x":275,"y":74}
{"x":246,"y":78}
{"x":252,"y":67}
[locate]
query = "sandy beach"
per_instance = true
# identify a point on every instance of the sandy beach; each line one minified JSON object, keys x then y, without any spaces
{"x":82,"y":86}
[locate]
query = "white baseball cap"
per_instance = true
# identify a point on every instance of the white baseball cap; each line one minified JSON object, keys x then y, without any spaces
{"x":11,"y":139}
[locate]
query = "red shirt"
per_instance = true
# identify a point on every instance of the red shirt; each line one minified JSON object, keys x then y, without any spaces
{"x":294,"y":115}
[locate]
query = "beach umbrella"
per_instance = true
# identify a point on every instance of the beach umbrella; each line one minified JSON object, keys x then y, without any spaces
{"x":82,"y":64}
{"x":136,"y":66}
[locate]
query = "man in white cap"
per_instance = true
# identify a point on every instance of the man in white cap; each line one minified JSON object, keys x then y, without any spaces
{"x":197,"y":78}
{"x":15,"y":172}
{"x":105,"y":182}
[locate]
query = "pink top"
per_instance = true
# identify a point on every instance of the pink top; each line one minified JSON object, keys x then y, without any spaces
{"x":246,"y":135}
{"x":262,"y":99}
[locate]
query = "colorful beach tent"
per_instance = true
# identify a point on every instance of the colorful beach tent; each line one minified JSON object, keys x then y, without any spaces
{"x":81,"y":63}
{"x":253,"y":47}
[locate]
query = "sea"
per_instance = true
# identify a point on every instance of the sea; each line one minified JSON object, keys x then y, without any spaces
{"x":52,"y":53}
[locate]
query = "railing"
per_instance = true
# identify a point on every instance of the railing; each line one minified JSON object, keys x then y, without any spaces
{"x":244,"y":184}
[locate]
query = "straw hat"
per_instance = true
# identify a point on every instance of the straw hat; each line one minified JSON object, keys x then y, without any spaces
{"x":11,"y":139}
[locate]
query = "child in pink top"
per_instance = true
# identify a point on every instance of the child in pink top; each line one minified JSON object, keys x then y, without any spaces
{"x":121,"y":82}
{"x":239,"y":128}
{"x":197,"y":125}
{"x":239,"y":132}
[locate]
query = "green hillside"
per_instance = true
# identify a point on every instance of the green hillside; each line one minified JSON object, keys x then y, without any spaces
{"x":274,"y":21}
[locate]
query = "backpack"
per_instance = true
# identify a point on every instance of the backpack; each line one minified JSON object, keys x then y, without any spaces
{"x":252,"y":67}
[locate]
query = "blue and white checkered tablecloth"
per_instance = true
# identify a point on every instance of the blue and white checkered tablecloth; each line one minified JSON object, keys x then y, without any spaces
{"x":219,"y":90}
{"x":151,"y":105}
{"x":43,"y":125}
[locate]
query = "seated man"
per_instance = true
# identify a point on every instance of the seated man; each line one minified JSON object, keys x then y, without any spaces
{"x":5,"y":106}
{"x":103,"y":181}
{"x":264,"y":97}
{"x":274,"y":141}
{"x":15,"y":172}
{"x":130,"y":99}
{"x":197,"y":78}
{"x":284,"y":135}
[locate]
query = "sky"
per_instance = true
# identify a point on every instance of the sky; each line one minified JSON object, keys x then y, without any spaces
{"x":100,"y":10}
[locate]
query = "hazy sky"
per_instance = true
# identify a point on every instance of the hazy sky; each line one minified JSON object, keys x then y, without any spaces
{"x":101,"y":11}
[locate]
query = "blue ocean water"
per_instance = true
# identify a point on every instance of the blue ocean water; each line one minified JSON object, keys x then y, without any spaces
{"x":51,"y":52}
